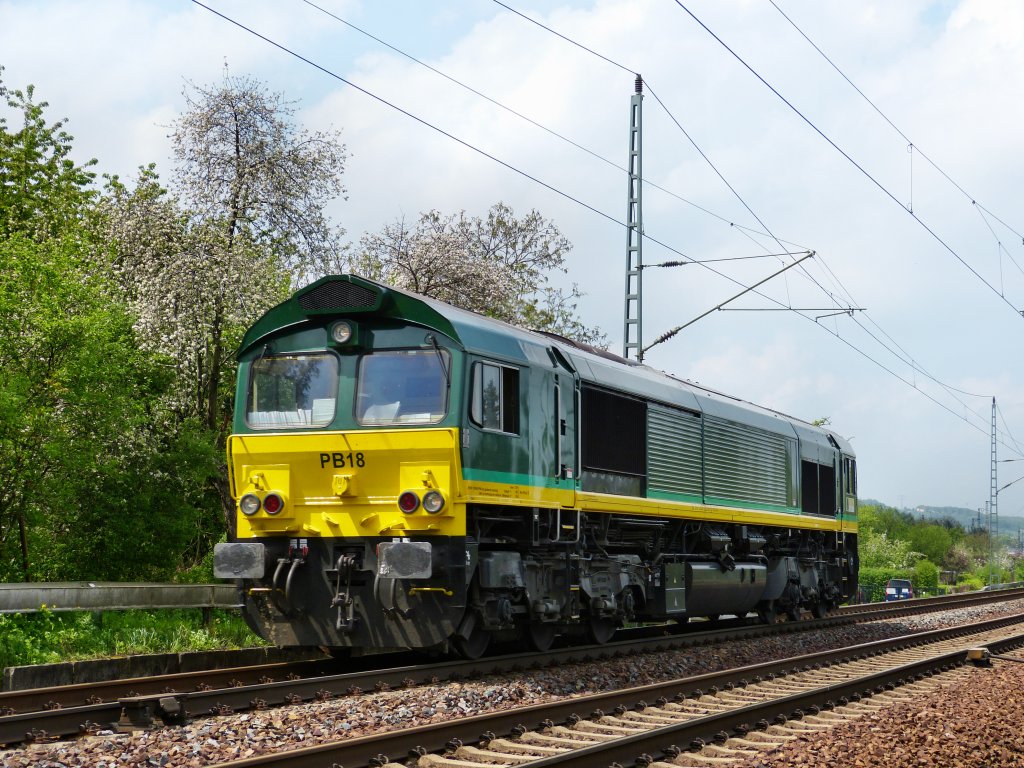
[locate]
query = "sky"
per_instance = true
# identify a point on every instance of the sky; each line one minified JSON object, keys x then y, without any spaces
{"x":753,"y":144}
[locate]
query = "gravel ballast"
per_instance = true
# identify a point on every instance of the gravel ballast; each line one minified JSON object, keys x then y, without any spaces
{"x":209,"y":740}
{"x":972,"y":724}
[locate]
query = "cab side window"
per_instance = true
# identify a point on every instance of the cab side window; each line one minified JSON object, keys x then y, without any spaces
{"x":850,"y":476}
{"x":495,"y":397}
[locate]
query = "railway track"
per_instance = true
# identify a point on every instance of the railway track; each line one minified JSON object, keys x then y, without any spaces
{"x":695,"y":721}
{"x":46,"y":713}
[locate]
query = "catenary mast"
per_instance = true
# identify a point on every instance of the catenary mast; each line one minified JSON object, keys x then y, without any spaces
{"x":632,"y":331}
{"x":993,"y":504}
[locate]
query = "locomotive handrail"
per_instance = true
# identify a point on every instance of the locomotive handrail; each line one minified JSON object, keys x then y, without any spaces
{"x":113,"y":596}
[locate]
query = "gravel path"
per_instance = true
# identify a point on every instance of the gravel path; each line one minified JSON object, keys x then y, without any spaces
{"x":207,"y":741}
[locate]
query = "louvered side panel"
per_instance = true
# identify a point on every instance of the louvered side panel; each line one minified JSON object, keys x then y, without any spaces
{"x":745,"y":463}
{"x":674,"y":463}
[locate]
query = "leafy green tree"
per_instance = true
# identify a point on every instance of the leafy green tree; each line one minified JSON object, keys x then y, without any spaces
{"x":976,"y":542}
{"x":62,"y":412}
{"x":242,"y":222}
{"x":958,"y":559}
{"x":887,"y":520}
{"x":255,"y":185}
{"x":93,"y":484}
{"x":192,"y":297}
{"x":499,"y":266}
{"x":933,"y":541}
{"x":42,"y":190}
{"x":877,"y":550}
{"x":130,"y":530}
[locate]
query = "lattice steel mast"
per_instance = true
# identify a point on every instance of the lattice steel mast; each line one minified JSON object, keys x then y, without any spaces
{"x":632,"y":331}
{"x":993,"y":503}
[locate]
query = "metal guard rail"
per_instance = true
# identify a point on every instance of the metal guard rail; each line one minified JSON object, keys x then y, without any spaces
{"x":113,"y":596}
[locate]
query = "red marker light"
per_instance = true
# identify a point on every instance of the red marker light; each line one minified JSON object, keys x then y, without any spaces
{"x":408,"y":502}
{"x":273,"y":503}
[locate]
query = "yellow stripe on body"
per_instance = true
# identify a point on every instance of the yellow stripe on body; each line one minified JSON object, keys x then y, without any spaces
{"x":600,"y":502}
{"x":521,"y":495}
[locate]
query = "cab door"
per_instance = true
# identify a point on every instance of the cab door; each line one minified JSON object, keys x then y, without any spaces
{"x":566,"y":394}
{"x":848,"y":487}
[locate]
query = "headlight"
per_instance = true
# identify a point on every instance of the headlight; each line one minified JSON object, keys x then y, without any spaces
{"x":249,"y":504}
{"x":408,"y":502}
{"x":341,"y":332}
{"x":273,"y":503}
{"x":433,"y":501}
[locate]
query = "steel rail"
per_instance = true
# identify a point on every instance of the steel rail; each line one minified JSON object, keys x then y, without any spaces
{"x":68,"y":710}
{"x":663,"y":743}
{"x":396,"y":746}
{"x":79,"y":694}
{"x":175,"y":708}
{"x":941,"y":602}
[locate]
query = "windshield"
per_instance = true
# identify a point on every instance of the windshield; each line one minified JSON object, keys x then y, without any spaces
{"x":292,"y":391}
{"x":403,"y":387}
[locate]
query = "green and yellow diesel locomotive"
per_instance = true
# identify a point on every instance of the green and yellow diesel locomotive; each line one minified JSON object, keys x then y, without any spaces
{"x":412,"y":475}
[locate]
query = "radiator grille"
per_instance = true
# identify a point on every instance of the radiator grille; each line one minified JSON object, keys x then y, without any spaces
{"x":674,"y":461}
{"x":337,"y":295}
{"x":747,"y":463}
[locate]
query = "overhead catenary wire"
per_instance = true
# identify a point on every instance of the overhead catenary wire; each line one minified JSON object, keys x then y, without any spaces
{"x":999,"y":242}
{"x":412,"y":116}
{"x":905,"y":357}
{"x":657,"y":98}
{"x":850,"y":159}
{"x":912,"y":147}
{"x":1006,"y":429}
{"x":893,"y":125}
{"x":669,"y":334}
{"x":458,"y":140}
{"x":531,"y":121}
{"x":605,"y":160}
{"x":540,"y":182}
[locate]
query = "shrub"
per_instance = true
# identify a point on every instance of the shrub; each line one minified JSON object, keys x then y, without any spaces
{"x":972,"y":582}
{"x":925,"y":578}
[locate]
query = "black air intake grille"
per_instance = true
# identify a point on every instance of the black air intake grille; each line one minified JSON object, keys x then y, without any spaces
{"x":338,"y":295}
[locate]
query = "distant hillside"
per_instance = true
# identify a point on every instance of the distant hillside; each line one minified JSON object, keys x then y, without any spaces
{"x":1008,"y":525}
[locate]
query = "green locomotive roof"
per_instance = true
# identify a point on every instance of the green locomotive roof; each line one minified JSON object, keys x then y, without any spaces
{"x":343,"y":296}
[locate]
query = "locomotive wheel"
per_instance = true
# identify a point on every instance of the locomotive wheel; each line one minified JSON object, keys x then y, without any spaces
{"x":539,"y":636}
{"x":474,"y":646}
{"x":768,"y":614}
{"x":821,"y":609}
{"x":793,"y":613}
{"x":600,"y":631}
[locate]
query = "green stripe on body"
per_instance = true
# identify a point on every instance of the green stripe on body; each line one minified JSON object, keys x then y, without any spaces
{"x":515,"y":478}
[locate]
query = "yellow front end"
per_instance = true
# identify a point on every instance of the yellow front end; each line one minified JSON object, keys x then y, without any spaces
{"x":347,"y":484}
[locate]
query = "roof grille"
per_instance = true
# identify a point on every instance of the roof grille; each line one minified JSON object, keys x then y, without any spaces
{"x":337,"y":295}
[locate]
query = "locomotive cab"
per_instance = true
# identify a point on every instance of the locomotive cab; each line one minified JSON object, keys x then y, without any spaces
{"x":345,"y":465}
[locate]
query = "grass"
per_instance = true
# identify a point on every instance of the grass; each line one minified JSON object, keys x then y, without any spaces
{"x":47,"y":637}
